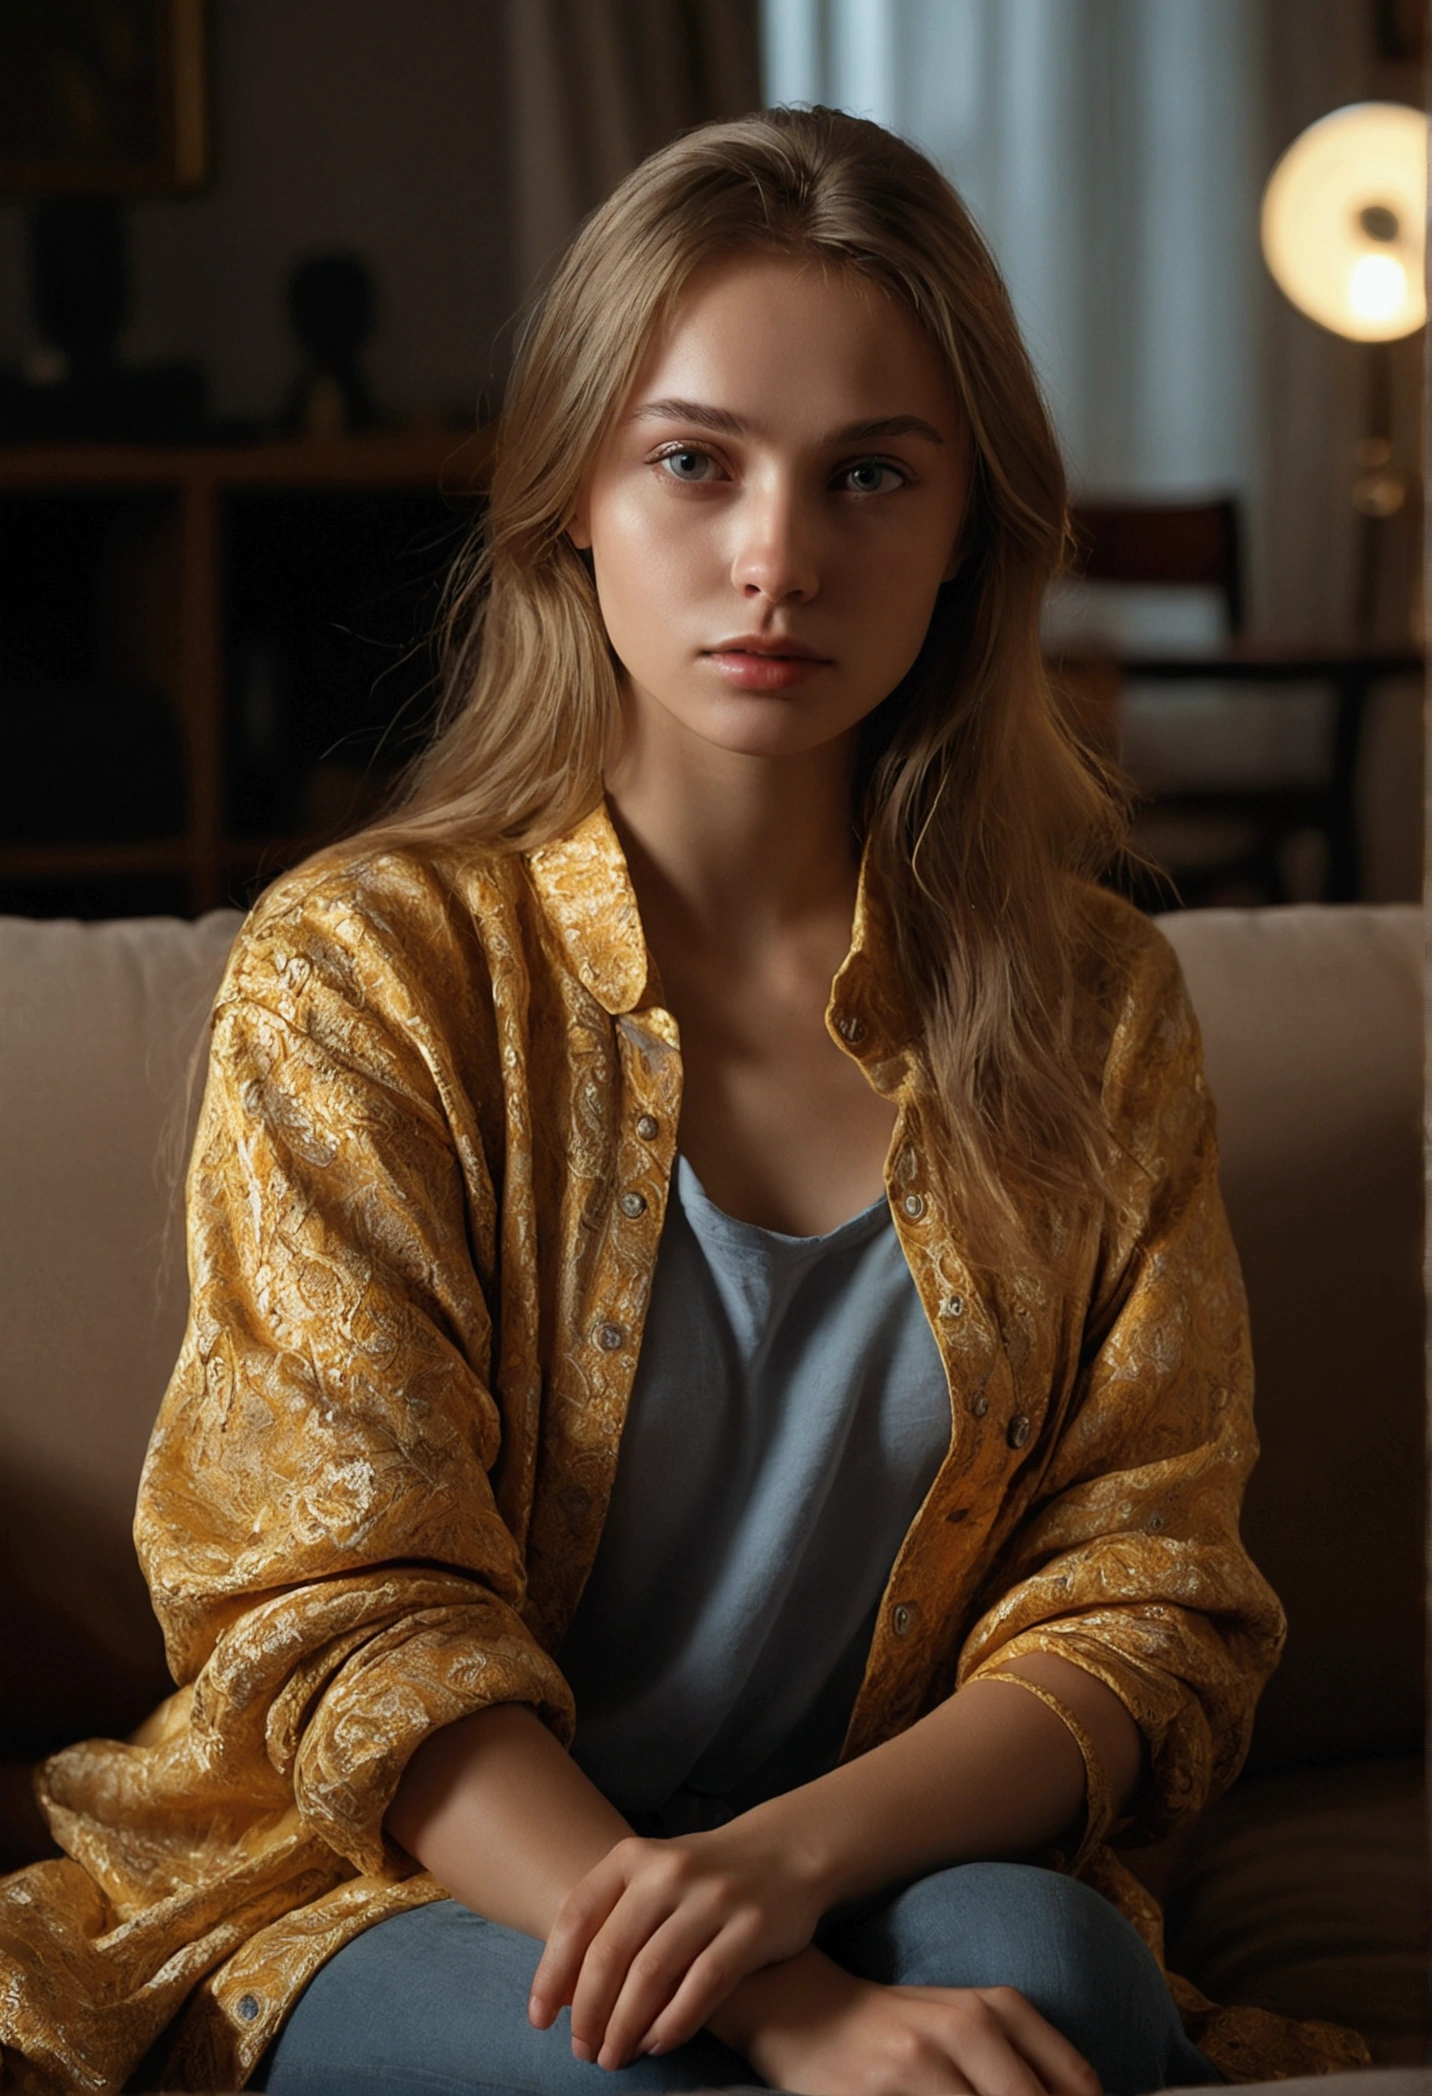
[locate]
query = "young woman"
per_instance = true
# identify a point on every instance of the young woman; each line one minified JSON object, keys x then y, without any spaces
{"x":702,"y":1480}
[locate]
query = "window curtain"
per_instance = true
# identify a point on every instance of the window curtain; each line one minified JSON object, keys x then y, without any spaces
{"x":598,"y":84}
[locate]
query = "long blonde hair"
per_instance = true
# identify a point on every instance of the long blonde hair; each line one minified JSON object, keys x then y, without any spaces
{"x":978,"y":810}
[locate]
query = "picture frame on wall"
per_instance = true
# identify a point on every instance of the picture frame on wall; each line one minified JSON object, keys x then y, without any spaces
{"x":103,"y":97}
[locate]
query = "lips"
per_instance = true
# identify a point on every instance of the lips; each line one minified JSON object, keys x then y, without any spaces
{"x":765,"y":662}
{"x":782,"y":644}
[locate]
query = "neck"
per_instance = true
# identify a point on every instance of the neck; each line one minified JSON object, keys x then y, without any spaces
{"x":727,"y":848}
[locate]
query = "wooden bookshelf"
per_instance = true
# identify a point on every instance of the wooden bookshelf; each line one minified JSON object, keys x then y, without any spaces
{"x":168,"y":583}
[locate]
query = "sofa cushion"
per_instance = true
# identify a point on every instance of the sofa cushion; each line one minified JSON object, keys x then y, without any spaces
{"x":1312,"y":1025}
{"x":1306,"y":1892}
{"x":100,"y":1027}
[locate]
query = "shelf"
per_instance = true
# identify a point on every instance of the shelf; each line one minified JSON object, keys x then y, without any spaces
{"x":216,"y":580}
{"x":69,"y":862}
{"x":246,"y":852}
{"x":451,"y":460}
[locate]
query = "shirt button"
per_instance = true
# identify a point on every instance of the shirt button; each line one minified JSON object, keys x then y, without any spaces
{"x":609,"y":1338}
{"x":914,"y":1206}
{"x":850,"y":1028}
{"x":979,"y":1404}
{"x":1018,"y":1432}
{"x":953,"y":1306}
{"x":248,"y":2007}
{"x":632,"y":1204}
{"x":648,"y":1127}
{"x":901,"y":1619}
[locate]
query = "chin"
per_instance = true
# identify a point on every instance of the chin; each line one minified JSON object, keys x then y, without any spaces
{"x":780,"y":738}
{"x":767,"y":726}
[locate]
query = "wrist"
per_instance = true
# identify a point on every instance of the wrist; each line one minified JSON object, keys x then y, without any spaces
{"x":772,"y":2013}
{"x":802,"y":1836}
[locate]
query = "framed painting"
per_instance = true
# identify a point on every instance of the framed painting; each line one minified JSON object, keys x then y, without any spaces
{"x":102,"y":96}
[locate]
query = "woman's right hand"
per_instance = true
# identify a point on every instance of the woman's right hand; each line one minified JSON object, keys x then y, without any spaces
{"x":817,"y":2030}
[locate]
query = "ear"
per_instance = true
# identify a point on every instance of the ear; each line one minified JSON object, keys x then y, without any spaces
{"x":578,"y":525}
{"x":961,"y":546}
{"x":968,"y":503}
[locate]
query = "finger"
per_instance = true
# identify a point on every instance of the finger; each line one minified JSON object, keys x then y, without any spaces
{"x":710,"y":1977}
{"x":1061,"y":2067}
{"x":580,"y":1916}
{"x":659,"y":1971}
{"x":623,"y":1937}
{"x":979,"y":2045}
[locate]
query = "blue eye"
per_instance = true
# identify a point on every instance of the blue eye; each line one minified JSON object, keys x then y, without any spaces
{"x":867,"y":477}
{"x":687,"y":464}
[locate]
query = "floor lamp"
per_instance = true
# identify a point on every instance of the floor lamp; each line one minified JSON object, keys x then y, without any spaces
{"x":1343,"y":229}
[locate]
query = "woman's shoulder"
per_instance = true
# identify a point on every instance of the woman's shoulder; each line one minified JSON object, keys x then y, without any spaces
{"x":1148,"y":1063}
{"x":1122,"y":955}
{"x":1142,"y":1036}
{"x":378,"y":915}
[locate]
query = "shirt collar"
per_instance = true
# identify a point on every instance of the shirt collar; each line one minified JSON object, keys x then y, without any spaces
{"x":586,"y":890}
{"x":868,"y":1012}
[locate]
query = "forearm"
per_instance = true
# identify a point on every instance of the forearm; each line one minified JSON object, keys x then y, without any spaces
{"x":502,"y":1816}
{"x":506,"y":1821}
{"x":991,"y":1772}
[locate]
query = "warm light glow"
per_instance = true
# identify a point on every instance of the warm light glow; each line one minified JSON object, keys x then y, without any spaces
{"x":1377,"y":287}
{"x":1343,"y":221}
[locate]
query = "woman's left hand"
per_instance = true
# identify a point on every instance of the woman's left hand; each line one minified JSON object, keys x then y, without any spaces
{"x":650,"y":1943}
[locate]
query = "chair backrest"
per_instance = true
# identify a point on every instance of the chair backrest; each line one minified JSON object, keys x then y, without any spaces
{"x":1192,"y":544}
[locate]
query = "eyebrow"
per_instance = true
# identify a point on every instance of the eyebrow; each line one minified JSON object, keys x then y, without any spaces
{"x":722,"y":423}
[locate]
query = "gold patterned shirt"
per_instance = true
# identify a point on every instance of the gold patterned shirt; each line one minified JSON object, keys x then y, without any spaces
{"x":425,"y":1201}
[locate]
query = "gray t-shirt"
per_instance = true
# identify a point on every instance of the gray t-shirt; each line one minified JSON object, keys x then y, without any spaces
{"x":789,"y":1414}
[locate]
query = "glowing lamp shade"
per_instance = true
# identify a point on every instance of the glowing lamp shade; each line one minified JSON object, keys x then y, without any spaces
{"x":1344,"y":218}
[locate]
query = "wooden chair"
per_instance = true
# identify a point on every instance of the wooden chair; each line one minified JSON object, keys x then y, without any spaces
{"x":1187,"y":544}
{"x":1199,"y":545}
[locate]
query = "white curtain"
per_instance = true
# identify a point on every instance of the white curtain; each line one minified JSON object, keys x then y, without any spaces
{"x":596,"y":84}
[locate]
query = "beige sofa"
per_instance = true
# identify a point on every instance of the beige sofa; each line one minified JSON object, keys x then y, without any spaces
{"x":1305,"y":1889}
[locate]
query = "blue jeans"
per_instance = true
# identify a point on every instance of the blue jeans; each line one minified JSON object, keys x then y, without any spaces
{"x":435,"y":2000}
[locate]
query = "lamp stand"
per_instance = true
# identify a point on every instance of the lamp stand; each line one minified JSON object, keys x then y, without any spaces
{"x":1378,"y":492}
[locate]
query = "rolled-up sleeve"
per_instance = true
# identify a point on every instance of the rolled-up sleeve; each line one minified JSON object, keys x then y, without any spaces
{"x":1127,"y":1559}
{"x":317,"y":1519}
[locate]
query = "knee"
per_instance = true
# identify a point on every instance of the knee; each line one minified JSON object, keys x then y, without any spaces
{"x":1065,"y":1947}
{"x":1061,"y":1945}
{"x":1007,"y":1925}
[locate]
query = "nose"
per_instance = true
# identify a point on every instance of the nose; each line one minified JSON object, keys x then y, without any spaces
{"x":775,"y":556}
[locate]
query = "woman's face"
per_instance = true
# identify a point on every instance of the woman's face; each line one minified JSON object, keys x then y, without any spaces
{"x":775,"y":508}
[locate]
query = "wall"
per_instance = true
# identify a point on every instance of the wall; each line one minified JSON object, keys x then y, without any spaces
{"x":338,"y":123}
